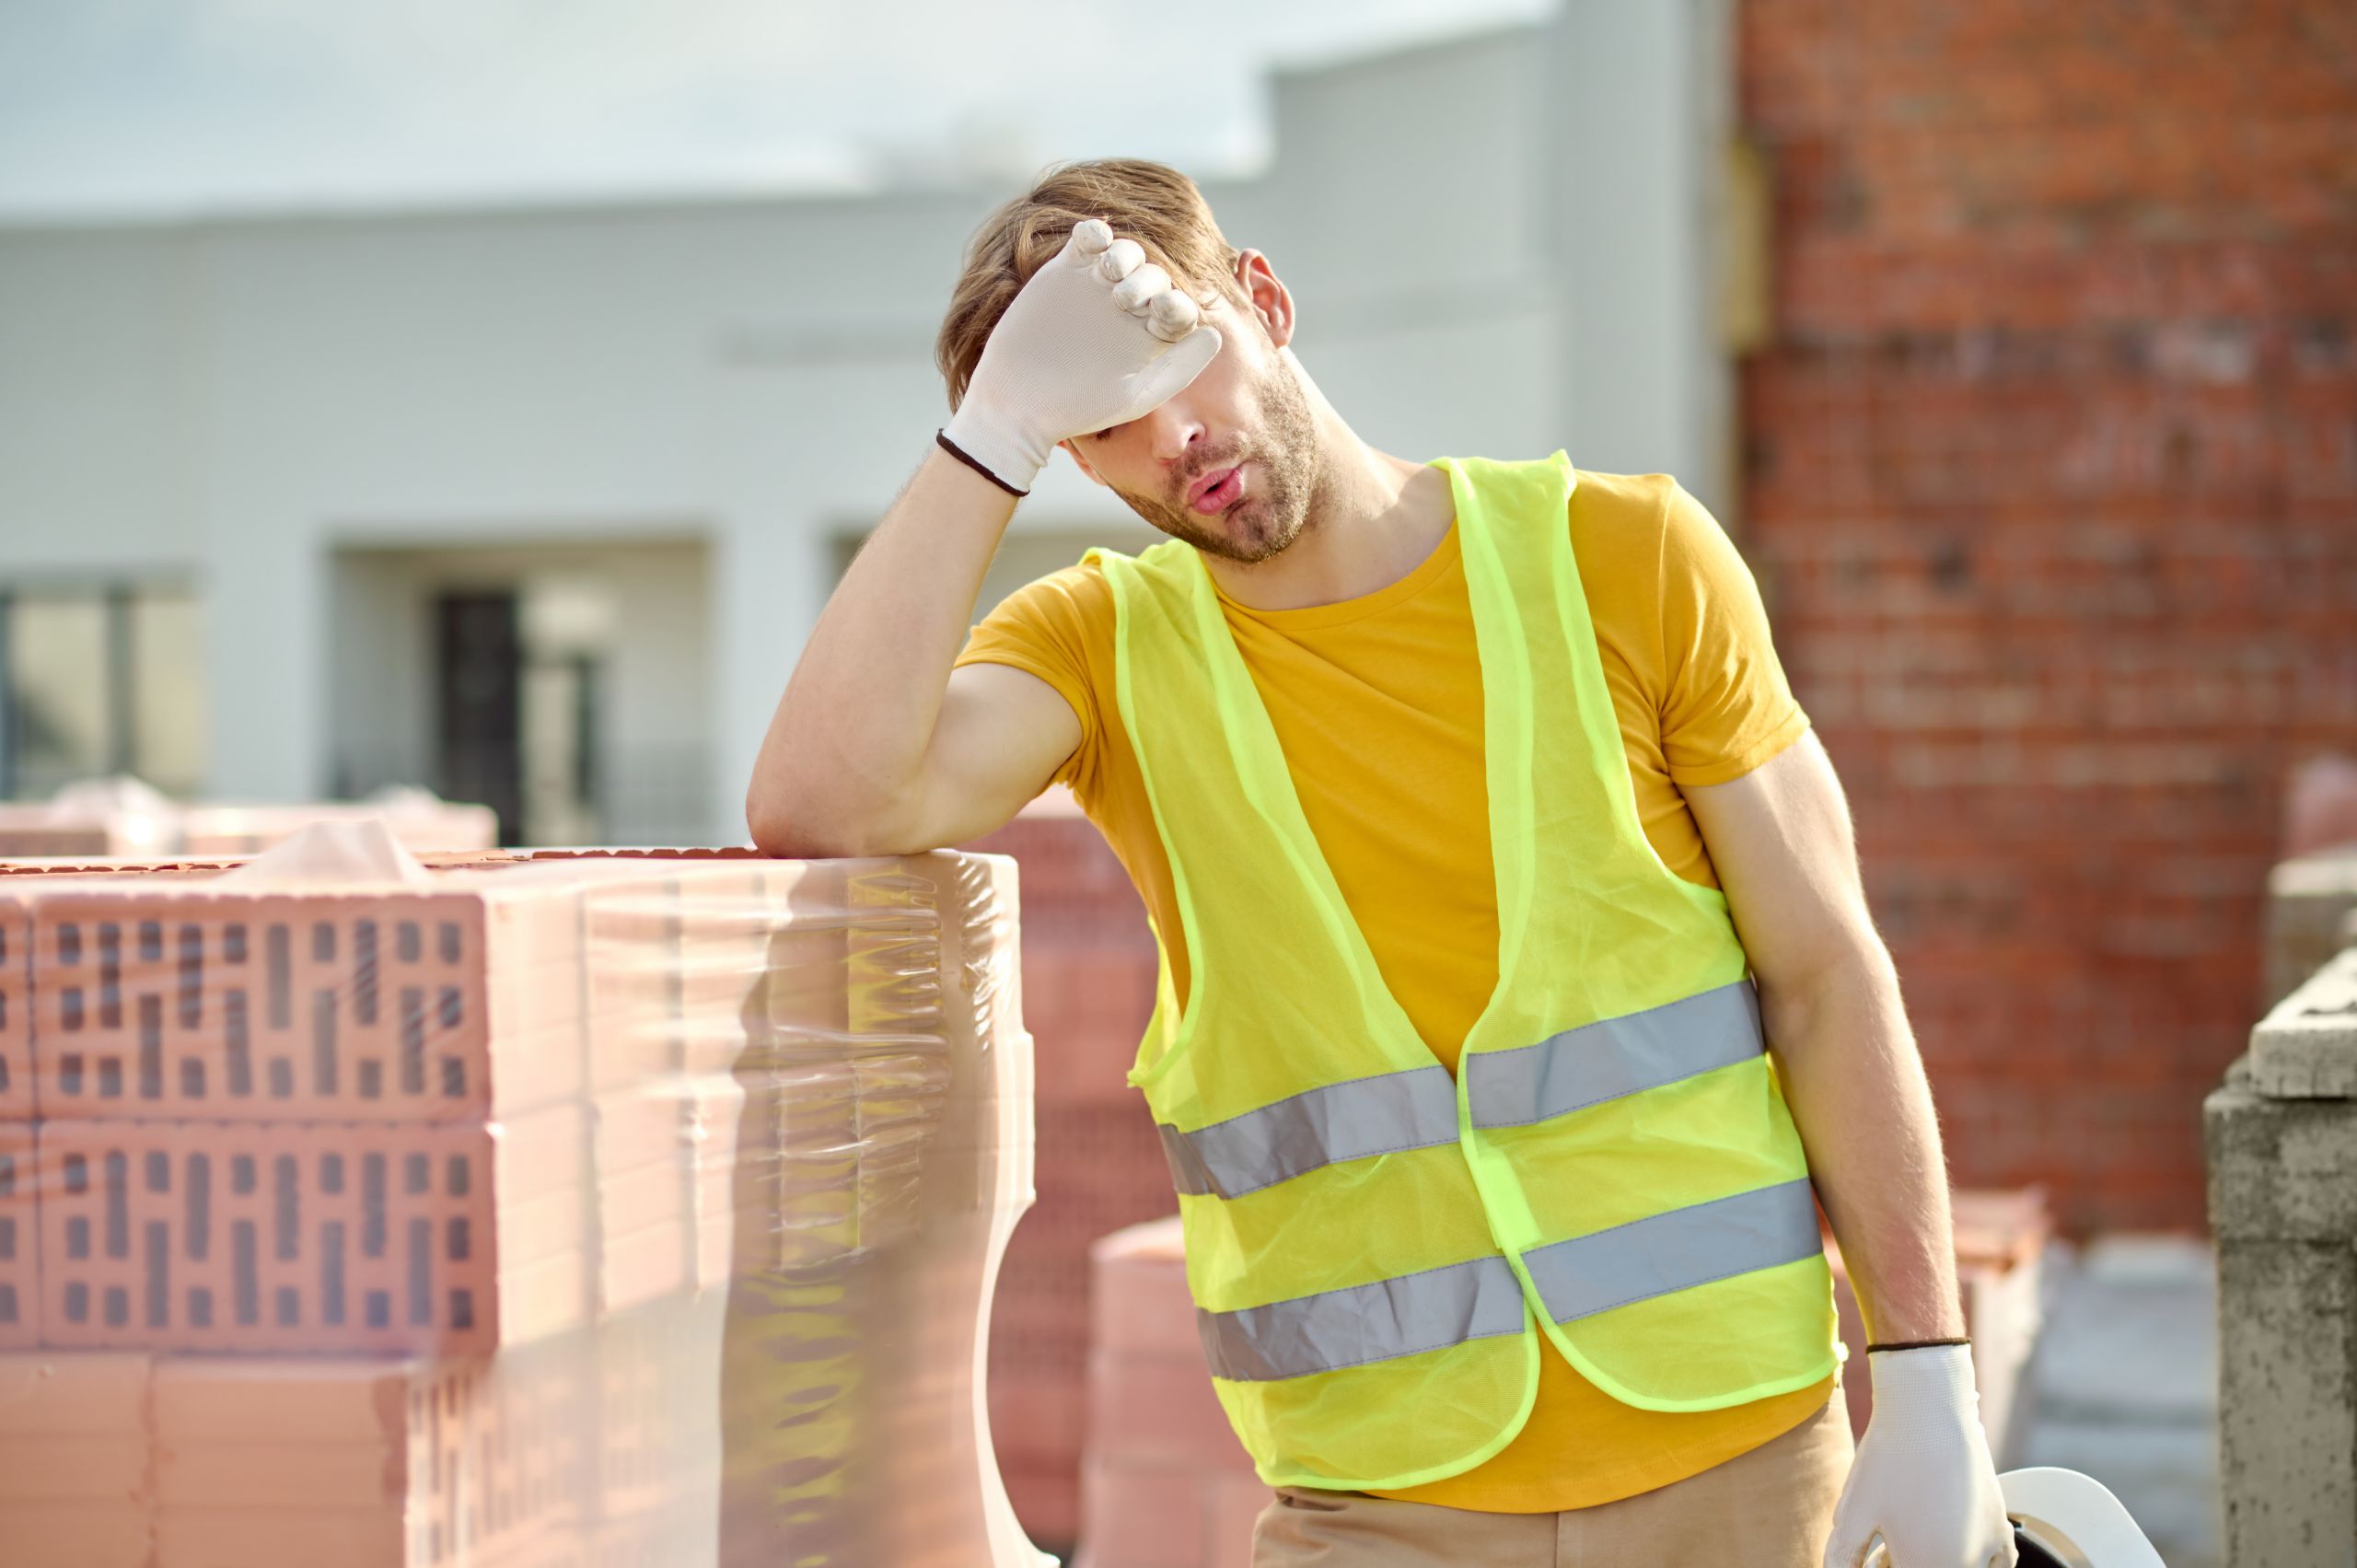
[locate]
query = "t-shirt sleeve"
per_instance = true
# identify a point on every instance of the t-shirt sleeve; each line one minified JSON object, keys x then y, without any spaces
{"x":1726,"y":707}
{"x":1042,"y":628}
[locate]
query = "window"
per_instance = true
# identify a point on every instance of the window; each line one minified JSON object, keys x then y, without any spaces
{"x":100,"y":678}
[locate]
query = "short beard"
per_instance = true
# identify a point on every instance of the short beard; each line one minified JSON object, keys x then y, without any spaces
{"x":1273,"y":512}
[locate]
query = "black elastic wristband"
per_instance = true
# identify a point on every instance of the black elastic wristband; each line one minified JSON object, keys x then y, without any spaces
{"x":1914,"y":1344}
{"x":954,"y":451}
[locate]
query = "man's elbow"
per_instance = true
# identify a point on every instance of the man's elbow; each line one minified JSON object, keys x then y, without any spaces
{"x":791,"y":828}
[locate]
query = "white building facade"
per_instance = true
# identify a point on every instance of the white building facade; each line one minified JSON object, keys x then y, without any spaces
{"x":295,"y":482}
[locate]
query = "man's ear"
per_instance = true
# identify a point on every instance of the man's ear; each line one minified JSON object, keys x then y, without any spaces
{"x":1074,"y":448}
{"x":1266,"y":296}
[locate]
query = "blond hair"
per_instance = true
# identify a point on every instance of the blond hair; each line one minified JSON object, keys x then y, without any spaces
{"x":1150,"y":203}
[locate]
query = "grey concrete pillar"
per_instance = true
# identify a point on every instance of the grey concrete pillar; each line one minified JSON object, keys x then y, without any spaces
{"x":2281,"y":1133}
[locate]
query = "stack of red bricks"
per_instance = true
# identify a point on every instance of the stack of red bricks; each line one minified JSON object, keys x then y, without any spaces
{"x":1163,"y":1481}
{"x":403,"y":1224}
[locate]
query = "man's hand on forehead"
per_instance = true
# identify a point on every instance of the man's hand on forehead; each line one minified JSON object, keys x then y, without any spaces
{"x":1096,"y":338}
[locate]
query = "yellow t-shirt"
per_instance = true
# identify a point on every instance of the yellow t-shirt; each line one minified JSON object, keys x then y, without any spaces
{"x":1378,"y":703}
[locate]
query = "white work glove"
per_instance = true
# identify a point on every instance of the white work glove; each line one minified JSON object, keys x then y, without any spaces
{"x":1923,"y":1484}
{"x":1096,"y":338}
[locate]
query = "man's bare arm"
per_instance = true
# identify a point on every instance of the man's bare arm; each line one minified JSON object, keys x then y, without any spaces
{"x":1780,"y":838}
{"x":877,"y":747}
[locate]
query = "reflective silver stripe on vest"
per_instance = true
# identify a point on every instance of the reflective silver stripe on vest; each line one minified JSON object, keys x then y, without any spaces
{"x":1677,"y":1250}
{"x":1438,"y":1307}
{"x":1614,"y":1057}
{"x":1381,"y":1115}
{"x":1335,"y":1329}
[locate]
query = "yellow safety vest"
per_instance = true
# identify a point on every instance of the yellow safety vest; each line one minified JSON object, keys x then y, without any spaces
{"x":1375,"y":1246}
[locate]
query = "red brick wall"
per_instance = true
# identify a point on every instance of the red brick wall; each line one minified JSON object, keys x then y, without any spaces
{"x":2051,"y":476}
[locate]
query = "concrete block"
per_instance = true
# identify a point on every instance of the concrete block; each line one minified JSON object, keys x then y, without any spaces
{"x":2307,"y":1046}
{"x":2288,"y":1395}
{"x":2280,"y":1170}
{"x":2309,"y":901}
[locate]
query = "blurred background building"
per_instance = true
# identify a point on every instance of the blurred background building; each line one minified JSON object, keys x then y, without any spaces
{"x":535,"y":503}
{"x":2016,"y":346}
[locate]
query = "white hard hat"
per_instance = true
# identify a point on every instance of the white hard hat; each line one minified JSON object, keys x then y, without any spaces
{"x":2063,"y":1519}
{"x":2073,"y":1520}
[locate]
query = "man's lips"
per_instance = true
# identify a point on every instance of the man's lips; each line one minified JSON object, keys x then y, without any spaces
{"x":1215,"y":490}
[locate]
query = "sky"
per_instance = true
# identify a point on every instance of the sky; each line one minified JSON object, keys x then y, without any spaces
{"x":144,"y":107}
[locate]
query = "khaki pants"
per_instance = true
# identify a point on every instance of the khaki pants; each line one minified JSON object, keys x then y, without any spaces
{"x":1771,"y":1507}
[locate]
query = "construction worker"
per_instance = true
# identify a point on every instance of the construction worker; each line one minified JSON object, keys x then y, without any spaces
{"x":1518,"y":992}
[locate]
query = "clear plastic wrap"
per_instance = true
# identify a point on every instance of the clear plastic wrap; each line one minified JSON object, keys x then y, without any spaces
{"x":580,"y":1208}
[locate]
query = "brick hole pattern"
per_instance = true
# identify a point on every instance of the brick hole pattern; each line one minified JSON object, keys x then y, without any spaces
{"x":497,"y":1454}
{"x":260,"y":1009}
{"x":305,"y":1239}
{"x":19,"y":1239}
{"x":15,"y":1014}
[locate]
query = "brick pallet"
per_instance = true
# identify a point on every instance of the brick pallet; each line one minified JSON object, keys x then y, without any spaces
{"x":719,"y":1123}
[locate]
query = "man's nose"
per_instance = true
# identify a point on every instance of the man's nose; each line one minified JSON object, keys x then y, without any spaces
{"x":1171,"y":430}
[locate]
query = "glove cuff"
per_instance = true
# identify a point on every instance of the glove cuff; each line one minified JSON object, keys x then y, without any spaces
{"x":1939,"y":1375}
{"x":1001,"y":456}
{"x":942,"y":439}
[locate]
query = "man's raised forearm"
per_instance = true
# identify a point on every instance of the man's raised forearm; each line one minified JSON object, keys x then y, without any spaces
{"x":1095,"y":337}
{"x":1855,"y":1085}
{"x":847,"y":740}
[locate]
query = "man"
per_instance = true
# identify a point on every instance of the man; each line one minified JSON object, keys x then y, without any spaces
{"x":1481,"y":837}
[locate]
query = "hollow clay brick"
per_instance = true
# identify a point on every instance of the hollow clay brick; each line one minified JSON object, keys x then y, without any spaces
{"x":309,"y":1238}
{"x":76,"y":1533}
{"x":432,"y":1462}
{"x":279,"y":1537}
{"x":19,"y":1244}
{"x":79,"y":1395}
{"x":111,"y":1469}
{"x":184,"y":998}
{"x":16,"y":1010}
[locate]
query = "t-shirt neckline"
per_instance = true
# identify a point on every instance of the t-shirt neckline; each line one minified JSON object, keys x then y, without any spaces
{"x":1311,"y":616}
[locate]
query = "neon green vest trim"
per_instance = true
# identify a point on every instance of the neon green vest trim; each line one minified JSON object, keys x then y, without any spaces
{"x":1375,"y":1250}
